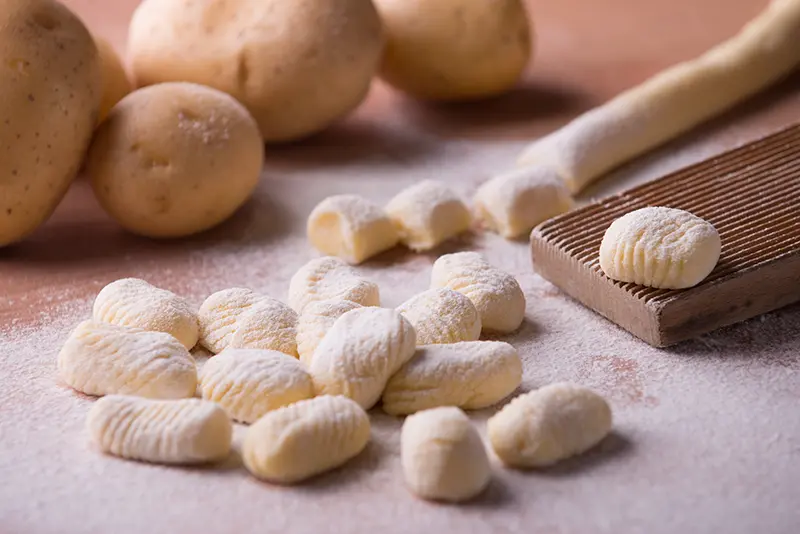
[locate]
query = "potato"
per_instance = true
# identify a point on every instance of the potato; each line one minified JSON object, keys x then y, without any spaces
{"x":298,"y":65}
{"x":49,"y":98}
{"x":116,"y":84}
{"x":175,"y":159}
{"x":453,"y":50}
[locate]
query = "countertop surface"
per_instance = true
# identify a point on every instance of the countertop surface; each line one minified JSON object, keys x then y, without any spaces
{"x":706,"y":435}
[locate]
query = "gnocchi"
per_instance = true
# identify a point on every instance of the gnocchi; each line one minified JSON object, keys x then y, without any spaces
{"x":442,"y":316}
{"x":660,"y":247}
{"x":470,"y":375}
{"x":186,"y":431}
{"x":442,"y":455}
{"x":304,"y":439}
{"x":102,"y":359}
{"x":315,"y":321}
{"x":330,"y":278}
{"x":496,"y":294}
{"x":359,"y":354}
{"x":248,"y":383}
{"x":512,"y":204}
{"x":134,"y":302}
{"x":350,"y":227}
{"x":219,"y":316}
{"x":427,"y":214}
{"x":555,"y":422}
{"x":268,"y":324}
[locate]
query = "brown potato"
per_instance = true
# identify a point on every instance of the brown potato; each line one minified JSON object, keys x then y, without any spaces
{"x":50,"y":85}
{"x":116,"y":84}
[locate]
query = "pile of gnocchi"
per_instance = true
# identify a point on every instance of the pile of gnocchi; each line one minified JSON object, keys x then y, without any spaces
{"x":302,"y":375}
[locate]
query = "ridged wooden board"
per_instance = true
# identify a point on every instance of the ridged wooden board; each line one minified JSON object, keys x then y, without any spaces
{"x":750,"y":194}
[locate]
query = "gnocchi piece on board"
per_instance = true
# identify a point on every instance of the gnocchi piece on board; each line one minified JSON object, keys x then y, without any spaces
{"x":350,"y":227}
{"x":470,"y":375}
{"x":135,"y":302}
{"x":249,"y":382}
{"x":219,"y":315}
{"x":442,"y":315}
{"x":330,"y":278}
{"x":496,"y":294}
{"x":315,"y":321}
{"x":304,"y":439}
{"x":104,"y":359}
{"x":270,"y":325}
{"x":427,"y":214}
{"x":186,"y":431}
{"x":359,"y":354}
{"x":660,"y":247}
{"x":549,"y":424}
{"x":442,"y":455}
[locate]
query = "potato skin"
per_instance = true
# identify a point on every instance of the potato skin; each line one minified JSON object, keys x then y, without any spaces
{"x":116,"y":84}
{"x":50,"y":85}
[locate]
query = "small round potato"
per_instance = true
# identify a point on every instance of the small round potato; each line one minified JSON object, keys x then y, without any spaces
{"x":297,"y":65}
{"x":175,"y":159}
{"x":50,"y":87}
{"x":451,"y":50}
{"x":116,"y":84}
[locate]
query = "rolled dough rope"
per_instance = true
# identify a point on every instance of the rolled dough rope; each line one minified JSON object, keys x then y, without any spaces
{"x":674,"y":100}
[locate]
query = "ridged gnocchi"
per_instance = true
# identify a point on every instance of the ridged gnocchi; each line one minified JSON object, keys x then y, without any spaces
{"x":330,"y":278}
{"x":268,"y":324}
{"x":219,"y":316}
{"x":442,"y":315}
{"x":660,"y":247}
{"x":350,"y":227}
{"x":555,"y":422}
{"x":496,"y":294}
{"x":442,"y":455}
{"x":136,"y":303}
{"x":304,"y":439}
{"x":248,"y":383}
{"x":315,"y":321}
{"x":471,"y":375}
{"x":187,"y":431}
{"x":103,"y":359}
{"x":427,"y":214}
{"x":359,"y":354}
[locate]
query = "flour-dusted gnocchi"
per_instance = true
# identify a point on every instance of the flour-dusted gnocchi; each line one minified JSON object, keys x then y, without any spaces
{"x":330,"y":278}
{"x":660,"y":247}
{"x":471,"y":375}
{"x":219,"y":316}
{"x":443,"y":456}
{"x":249,"y":383}
{"x":103,"y":359}
{"x":134,"y":302}
{"x":315,"y":321}
{"x":512,"y":204}
{"x":350,"y":227}
{"x":359,"y":354}
{"x":304,"y":439}
{"x":427,"y":214}
{"x":187,"y":431}
{"x":547,"y":425}
{"x":442,"y":315}
{"x":496,"y":294}
{"x":270,"y":325}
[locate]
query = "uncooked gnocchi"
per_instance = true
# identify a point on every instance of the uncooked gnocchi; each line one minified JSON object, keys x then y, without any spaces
{"x":249,"y":383}
{"x":134,"y":302}
{"x":269,"y":324}
{"x":495,"y":293}
{"x":187,"y":431}
{"x":219,"y":316}
{"x":550,"y":424}
{"x":350,"y":227}
{"x":471,"y":375}
{"x":304,"y":439}
{"x":660,"y":247}
{"x":443,"y":456}
{"x":512,"y":204}
{"x":442,"y":315}
{"x":330,"y":278}
{"x":103,"y":359}
{"x":315,"y":321}
{"x":359,"y":354}
{"x":427,"y":214}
